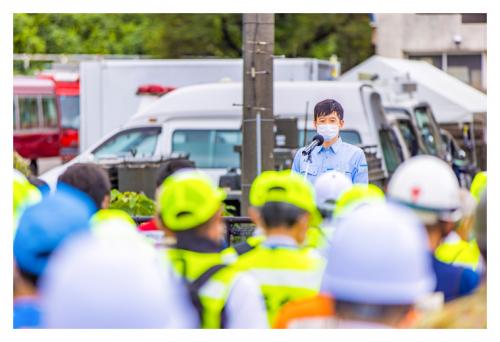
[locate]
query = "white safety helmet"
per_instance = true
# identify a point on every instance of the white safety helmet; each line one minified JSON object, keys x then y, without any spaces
{"x":328,"y":188}
{"x":428,"y":185}
{"x":94,"y":282}
{"x":379,"y":255}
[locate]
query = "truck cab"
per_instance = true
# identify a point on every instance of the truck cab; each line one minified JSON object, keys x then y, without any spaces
{"x":420,"y":114}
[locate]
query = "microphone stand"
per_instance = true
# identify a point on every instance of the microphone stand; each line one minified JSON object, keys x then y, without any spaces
{"x":309,"y":162}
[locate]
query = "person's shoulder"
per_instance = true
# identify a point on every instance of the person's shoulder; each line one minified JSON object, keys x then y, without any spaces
{"x":470,"y":278}
{"x":352,"y":147}
{"x":355,"y":151}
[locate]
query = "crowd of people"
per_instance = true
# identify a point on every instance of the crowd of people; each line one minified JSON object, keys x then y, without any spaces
{"x":329,"y":255}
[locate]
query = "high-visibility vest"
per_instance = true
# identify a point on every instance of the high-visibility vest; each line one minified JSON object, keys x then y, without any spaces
{"x":214,"y":293}
{"x":284,"y":273}
{"x":319,"y":237}
{"x":459,"y":253}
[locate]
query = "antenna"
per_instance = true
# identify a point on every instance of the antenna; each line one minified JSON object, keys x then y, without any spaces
{"x":305,"y":124}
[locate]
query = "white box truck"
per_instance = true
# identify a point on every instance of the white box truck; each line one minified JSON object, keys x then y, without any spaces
{"x":108,"y":87}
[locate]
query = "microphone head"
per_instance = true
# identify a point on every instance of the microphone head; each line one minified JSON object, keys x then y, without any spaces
{"x":320,"y":139}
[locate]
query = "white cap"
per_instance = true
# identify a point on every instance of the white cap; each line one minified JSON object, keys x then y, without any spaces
{"x":328,"y":188}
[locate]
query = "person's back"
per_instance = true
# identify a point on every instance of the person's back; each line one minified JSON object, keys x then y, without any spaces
{"x":468,"y":311}
{"x":429,"y":187}
{"x":454,"y":281}
{"x":43,"y":227}
{"x":377,"y":270}
{"x":283,"y":204}
{"x":460,"y":247}
{"x":190,"y":208}
{"x":284,"y":271}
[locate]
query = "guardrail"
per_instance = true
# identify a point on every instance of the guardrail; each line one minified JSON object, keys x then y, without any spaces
{"x":238,"y":228}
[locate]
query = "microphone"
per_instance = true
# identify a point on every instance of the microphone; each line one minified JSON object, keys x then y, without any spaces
{"x":317,"y":141}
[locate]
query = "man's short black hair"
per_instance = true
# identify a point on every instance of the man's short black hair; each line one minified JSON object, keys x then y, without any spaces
{"x":89,"y":178}
{"x":279,"y":214}
{"x":327,"y":107}
{"x":171,"y":166}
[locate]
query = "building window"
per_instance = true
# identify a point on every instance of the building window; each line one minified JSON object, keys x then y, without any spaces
{"x":436,"y":60}
{"x":466,"y":68}
{"x":473,"y":18}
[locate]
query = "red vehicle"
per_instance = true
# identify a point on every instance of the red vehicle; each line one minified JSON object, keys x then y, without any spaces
{"x":67,"y":87}
{"x":36,"y":119}
{"x":46,"y":117}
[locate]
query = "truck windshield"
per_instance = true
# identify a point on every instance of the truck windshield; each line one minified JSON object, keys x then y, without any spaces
{"x":429,"y":133}
{"x":140,"y":142}
{"x":70,"y":111}
{"x":409,"y":136}
{"x":392,"y":151}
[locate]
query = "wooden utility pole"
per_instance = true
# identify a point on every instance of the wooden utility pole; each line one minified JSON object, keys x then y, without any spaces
{"x":258,"y":119}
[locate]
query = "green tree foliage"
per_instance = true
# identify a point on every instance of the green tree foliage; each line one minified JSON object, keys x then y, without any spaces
{"x":83,"y":33}
{"x":191,"y":35}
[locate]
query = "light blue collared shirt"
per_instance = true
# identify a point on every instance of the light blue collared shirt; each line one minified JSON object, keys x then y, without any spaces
{"x":346,"y":158}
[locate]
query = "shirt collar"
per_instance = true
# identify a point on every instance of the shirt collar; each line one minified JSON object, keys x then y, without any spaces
{"x":335,"y":147}
{"x":198,"y":244}
{"x":281,"y":240}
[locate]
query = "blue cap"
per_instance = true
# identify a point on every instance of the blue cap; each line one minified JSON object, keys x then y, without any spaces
{"x":44,"y":226}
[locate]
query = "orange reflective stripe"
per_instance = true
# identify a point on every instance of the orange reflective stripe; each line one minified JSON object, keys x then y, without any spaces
{"x":319,"y":306}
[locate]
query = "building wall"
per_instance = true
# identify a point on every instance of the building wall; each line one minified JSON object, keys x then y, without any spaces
{"x":411,"y":35}
{"x":400,"y":33}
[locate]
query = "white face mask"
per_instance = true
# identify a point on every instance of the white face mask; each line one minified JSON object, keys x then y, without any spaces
{"x":328,"y":131}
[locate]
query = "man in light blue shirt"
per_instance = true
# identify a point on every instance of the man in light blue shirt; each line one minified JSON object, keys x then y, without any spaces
{"x":334,"y":154}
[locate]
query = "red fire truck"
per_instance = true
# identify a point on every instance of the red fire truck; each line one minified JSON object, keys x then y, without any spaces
{"x":46,"y":117}
{"x":67,"y":85}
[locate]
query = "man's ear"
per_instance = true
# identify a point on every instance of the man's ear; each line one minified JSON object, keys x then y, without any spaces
{"x":301,"y":227}
{"x":314,"y":124}
{"x":159,"y":222}
{"x":105,"y":202}
{"x":254,"y":215}
{"x":341,"y":124}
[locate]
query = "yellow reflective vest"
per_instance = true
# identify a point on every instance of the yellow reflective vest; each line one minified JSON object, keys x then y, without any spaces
{"x":284,"y":273}
{"x":214,"y":293}
{"x":460,"y":253}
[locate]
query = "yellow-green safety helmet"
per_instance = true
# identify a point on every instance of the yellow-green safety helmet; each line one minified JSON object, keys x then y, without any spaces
{"x":356,"y":195}
{"x":188,"y":199}
{"x":285,"y":186}
{"x":478,"y":185}
{"x":107,"y":215}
